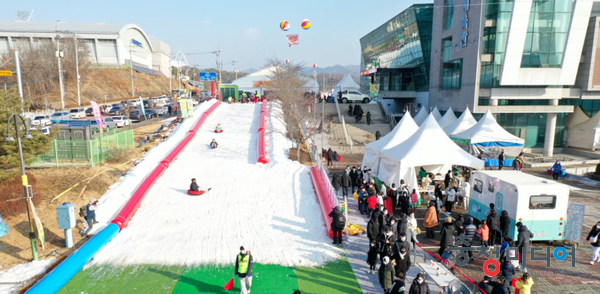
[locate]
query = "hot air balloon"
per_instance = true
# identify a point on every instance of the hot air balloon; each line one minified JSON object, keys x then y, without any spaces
{"x":284,"y":25}
{"x":305,"y":24}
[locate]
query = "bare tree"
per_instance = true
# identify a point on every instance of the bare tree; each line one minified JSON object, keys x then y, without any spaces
{"x":288,"y":87}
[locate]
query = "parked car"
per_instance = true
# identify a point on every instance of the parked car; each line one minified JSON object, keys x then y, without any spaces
{"x":116,"y":110}
{"x":44,"y":129}
{"x":354,"y":96}
{"x":89,"y":111}
{"x":162,"y":110}
{"x":137,"y":116}
{"x":77,"y":113}
{"x":41,"y":120}
{"x":107,"y":123}
{"x":58,"y":116}
{"x":121,"y":121}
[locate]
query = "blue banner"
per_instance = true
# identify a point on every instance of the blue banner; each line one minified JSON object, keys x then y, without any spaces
{"x":137,"y":43}
{"x":208,"y":76}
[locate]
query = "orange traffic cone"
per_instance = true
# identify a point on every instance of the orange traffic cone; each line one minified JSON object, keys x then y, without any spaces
{"x":229,"y":285}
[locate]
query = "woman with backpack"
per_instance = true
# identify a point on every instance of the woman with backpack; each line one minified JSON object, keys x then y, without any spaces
{"x":338,"y":224}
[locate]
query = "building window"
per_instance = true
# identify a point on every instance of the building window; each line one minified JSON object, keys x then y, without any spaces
{"x":483,"y":102}
{"x":452,"y":75}
{"x":546,"y":34}
{"x":449,"y":14}
{"x":447,"y":49}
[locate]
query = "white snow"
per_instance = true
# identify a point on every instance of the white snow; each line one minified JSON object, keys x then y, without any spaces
{"x":269,"y":209}
{"x":119,"y":193}
{"x":13,"y":278}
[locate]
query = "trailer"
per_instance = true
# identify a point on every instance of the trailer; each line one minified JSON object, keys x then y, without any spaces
{"x":540,"y":204}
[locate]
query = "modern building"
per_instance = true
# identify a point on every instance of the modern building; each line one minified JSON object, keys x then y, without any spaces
{"x":395,"y":56}
{"x":161,"y":57}
{"x":109,"y":44}
{"x":527,"y":61}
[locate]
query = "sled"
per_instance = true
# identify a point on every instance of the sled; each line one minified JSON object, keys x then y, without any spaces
{"x":195,"y":192}
{"x":214,"y":147}
{"x":218,"y":131}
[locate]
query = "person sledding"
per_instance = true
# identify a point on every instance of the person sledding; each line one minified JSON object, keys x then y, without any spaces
{"x":195,"y":189}
{"x":213,"y":144}
{"x":218,"y":129}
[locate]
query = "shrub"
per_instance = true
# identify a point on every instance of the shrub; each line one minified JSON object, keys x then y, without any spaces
{"x":12,"y":188}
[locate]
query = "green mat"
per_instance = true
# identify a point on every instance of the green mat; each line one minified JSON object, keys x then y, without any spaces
{"x":334,"y":277}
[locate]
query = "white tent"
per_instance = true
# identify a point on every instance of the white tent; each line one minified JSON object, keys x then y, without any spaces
{"x":463,"y":123}
{"x":404,"y":129}
{"x":586,"y":135}
{"x":447,"y":119}
{"x":246,"y":83}
{"x":347,"y":83}
{"x":436,"y":113}
{"x":575,"y":118}
{"x":488,"y":138}
{"x":421,"y":116}
{"x":428,"y":147}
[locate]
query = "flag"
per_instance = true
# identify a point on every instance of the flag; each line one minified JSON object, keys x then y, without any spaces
{"x":293,"y":39}
{"x":97,"y":114}
{"x":229,"y":285}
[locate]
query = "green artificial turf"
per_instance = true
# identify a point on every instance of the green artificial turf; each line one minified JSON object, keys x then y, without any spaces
{"x":128,"y":279}
{"x":332,"y":278}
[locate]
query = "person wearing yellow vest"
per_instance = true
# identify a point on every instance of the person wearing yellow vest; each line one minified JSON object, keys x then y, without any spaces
{"x":243,"y":269}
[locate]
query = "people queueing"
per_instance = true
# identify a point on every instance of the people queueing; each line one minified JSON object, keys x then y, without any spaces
{"x":387,"y":274}
{"x":419,"y":285}
{"x":524,"y":284}
{"x":447,"y":232}
{"x":493,"y":223}
{"x":431,"y":220}
{"x":484,"y":233}
{"x":372,"y":257}
{"x":523,"y":242}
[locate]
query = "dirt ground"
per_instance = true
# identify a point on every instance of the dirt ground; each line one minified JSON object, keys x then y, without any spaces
{"x":304,"y":156}
{"x":15,"y":247}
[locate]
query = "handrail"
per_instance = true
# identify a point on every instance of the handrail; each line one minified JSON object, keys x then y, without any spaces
{"x":343,"y":122}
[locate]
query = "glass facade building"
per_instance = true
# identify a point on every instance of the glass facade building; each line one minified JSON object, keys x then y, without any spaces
{"x":399,"y":51}
{"x":494,"y":41}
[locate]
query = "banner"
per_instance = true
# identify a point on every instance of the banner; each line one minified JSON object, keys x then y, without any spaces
{"x":183,"y":107}
{"x":374,"y":92}
{"x":142,"y":107}
{"x":293,"y":39}
{"x":190,"y":107}
{"x":97,"y":115}
{"x":38,"y":224}
{"x":263,"y":84}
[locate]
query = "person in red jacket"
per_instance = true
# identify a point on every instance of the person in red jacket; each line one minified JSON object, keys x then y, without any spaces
{"x":372,"y":202}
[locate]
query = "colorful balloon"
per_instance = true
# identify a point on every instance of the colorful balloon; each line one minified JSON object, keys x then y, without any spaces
{"x":305,"y":24}
{"x":284,"y":25}
{"x":287,"y":61}
{"x":315,"y":65}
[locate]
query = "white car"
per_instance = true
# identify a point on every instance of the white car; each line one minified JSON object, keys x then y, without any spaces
{"x":41,"y":120}
{"x":122,"y":121}
{"x":78,"y":113}
{"x":58,"y":116}
{"x":162,"y":110}
{"x":354,"y":96}
{"x":44,"y":129}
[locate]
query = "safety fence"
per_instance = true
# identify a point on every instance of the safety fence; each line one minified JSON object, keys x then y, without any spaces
{"x":86,"y":152}
{"x":66,"y":270}
{"x":261,"y":148}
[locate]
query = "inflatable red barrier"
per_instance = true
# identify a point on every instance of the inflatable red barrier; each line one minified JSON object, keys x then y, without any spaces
{"x":324,"y":203}
{"x":191,"y":192}
{"x":262,"y":149}
{"x":127,"y":212}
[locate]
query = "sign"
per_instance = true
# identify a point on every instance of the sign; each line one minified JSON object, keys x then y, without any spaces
{"x":137,"y":43}
{"x":97,"y":115}
{"x":6,"y":73}
{"x":183,"y":107}
{"x":142,"y":107}
{"x":464,"y":23}
{"x":368,"y":72}
{"x":574,"y":226}
{"x":208,"y":76}
{"x":374,"y":92}
{"x":263,"y":84}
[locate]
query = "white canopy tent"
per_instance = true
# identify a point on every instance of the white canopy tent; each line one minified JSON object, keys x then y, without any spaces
{"x":463,"y":123}
{"x":447,"y":119}
{"x":246,"y":83}
{"x":346,"y":83}
{"x":585,"y":135}
{"x":423,"y":149}
{"x":488,"y":138}
{"x":421,"y":116}
{"x":404,"y":129}
{"x":436,"y":113}
{"x":575,"y":118}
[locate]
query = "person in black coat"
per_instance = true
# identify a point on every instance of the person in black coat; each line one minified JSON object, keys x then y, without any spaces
{"x":419,"y":285}
{"x":335,"y":182}
{"x":595,"y":233}
{"x":353,"y":178}
{"x":350,"y":110}
{"x":493,"y":223}
{"x":402,"y":258}
{"x":458,"y":224}
{"x":399,"y":285}
{"x":501,"y":160}
{"x":501,"y":286}
{"x":507,"y":270}
{"x":447,"y":179}
{"x":402,"y":224}
{"x":377,"y":135}
{"x":368,"y":118}
{"x":504,"y":224}
{"x":523,"y":242}
{"x":487,"y":288}
{"x":373,"y":230}
{"x":194,"y":185}
{"x":346,"y":182}
{"x":335,"y":215}
{"x":329,"y":157}
{"x":447,"y":236}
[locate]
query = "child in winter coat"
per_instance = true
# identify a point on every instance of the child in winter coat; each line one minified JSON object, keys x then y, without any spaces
{"x":371,"y":202}
{"x":398,"y":287}
{"x":372,"y":257}
{"x":483,"y":233}
{"x":414,"y":199}
{"x":524,"y":284}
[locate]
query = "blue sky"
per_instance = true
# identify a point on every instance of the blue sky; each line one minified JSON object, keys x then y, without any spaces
{"x":248,"y":30}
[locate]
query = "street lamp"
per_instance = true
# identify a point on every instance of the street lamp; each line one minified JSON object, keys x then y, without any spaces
{"x":10,"y":138}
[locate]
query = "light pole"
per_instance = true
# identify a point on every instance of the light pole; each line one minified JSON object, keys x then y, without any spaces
{"x":59,"y":54}
{"x":77,"y":69}
{"x":9,"y":138}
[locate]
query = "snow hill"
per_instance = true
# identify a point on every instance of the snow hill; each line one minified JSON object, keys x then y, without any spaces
{"x":269,"y":209}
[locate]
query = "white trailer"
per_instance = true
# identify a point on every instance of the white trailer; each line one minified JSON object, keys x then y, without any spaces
{"x":540,"y":204}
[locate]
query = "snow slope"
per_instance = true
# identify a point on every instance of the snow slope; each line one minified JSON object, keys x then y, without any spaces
{"x":13,"y":278}
{"x":269,"y":209}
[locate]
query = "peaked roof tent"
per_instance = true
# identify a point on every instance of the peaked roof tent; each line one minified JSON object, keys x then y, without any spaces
{"x":421,"y":116}
{"x":575,"y":118}
{"x":347,"y":83}
{"x":436,"y":114}
{"x":488,"y":130}
{"x":463,"y":123}
{"x":448,"y":118}
{"x":590,"y":124}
